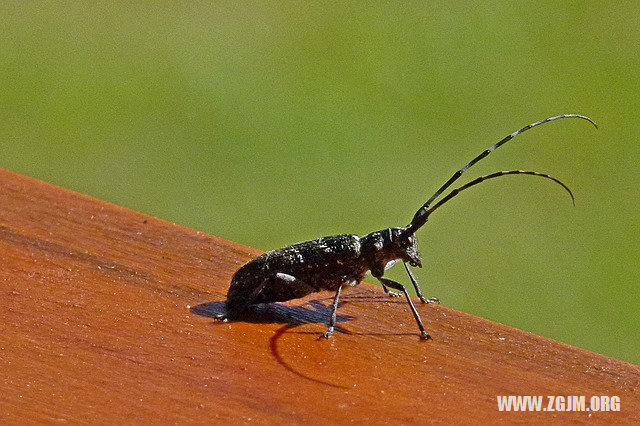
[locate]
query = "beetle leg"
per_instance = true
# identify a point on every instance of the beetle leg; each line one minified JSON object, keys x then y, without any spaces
{"x":295,"y":287}
{"x":235,"y":309}
{"x":332,"y":321}
{"x":397,"y":286}
{"x":334,"y":310}
{"x":269,"y":290}
{"x":390,"y":293}
{"x":414,"y":281}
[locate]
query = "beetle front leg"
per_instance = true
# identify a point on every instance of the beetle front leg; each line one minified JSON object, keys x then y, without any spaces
{"x":389,"y":292}
{"x":398,"y":286}
{"x":414,"y":281}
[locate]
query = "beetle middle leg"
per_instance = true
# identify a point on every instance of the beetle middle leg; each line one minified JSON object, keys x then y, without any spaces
{"x":332,"y":321}
{"x":397,"y":286}
{"x":414,"y":281}
{"x":301,"y":289}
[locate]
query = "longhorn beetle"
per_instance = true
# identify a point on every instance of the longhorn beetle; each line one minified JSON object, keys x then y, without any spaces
{"x":329,"y":263}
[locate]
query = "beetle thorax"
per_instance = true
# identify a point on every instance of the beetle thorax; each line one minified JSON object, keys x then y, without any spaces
{"x":383,"y":248}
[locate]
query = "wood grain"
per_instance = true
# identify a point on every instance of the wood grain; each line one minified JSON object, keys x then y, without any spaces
{"x":106,"y":313}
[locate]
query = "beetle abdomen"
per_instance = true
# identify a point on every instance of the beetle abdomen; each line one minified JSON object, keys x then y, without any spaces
{"x":296,"y":271}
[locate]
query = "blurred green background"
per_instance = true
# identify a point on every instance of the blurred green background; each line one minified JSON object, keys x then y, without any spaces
{"x":272,"y":123}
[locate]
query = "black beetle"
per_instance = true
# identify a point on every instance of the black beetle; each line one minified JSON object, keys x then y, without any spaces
{"x":329,"y":263}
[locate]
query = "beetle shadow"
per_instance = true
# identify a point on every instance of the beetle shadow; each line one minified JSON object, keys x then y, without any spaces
{"x":274,"y":313}
{"x":291,"y":317}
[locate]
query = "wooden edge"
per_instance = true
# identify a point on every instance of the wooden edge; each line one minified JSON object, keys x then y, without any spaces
{"x":108,"y":317}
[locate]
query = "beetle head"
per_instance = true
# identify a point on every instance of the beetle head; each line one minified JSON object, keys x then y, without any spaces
{"x":409,"y":245}
{"x":392,"y":244}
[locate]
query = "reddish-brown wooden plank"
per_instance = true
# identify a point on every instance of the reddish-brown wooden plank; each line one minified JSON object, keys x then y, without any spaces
{"x":95,"y":327}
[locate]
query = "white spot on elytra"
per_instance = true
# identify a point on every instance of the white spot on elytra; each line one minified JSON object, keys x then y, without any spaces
{"x":285,"y":277}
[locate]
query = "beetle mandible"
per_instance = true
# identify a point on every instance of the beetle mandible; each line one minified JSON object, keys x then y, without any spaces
{"x":330,"y":263}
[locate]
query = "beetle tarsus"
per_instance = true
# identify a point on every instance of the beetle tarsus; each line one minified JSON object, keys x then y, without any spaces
{"x":221,"y":317}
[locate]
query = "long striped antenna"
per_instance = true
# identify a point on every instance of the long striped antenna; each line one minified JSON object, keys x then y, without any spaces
{"x":420,"y":218}
{"x":476,"y":181}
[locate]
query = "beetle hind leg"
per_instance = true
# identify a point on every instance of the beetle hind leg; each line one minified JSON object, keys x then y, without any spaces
{"x":236,"y":306}
{"x":221,"y":317}
{"x":276,"y":287}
